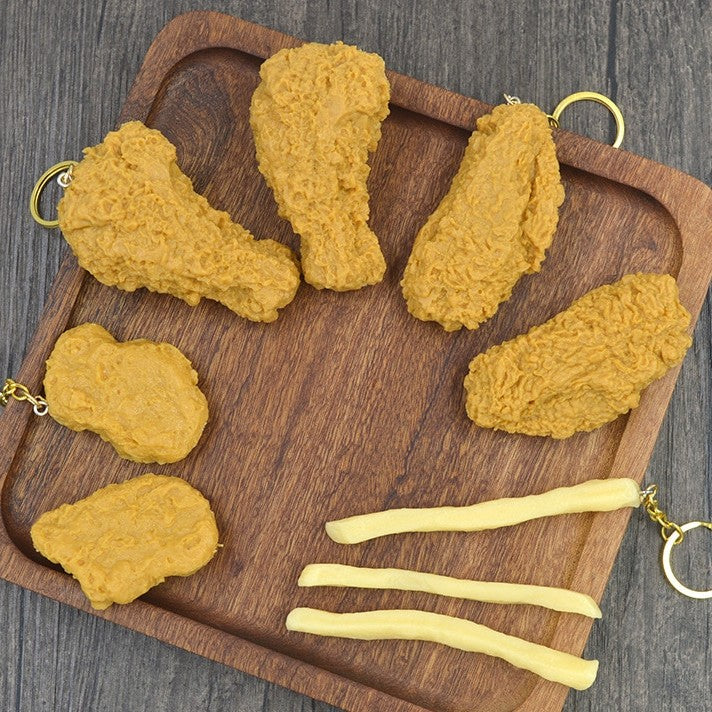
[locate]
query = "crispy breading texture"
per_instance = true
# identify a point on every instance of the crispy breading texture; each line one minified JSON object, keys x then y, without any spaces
{"x":315,"y":116}
{"x":585,"y":366}
{"x":133,"y":220}
{"x":493,"y":226}
{"x":140,"y":396}
{"x":126,"y":538}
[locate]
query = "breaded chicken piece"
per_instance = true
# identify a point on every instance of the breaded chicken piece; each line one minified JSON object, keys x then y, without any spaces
{"x":315,"y":116}
{"x":126,"y":538}
{"x":585,"y":366}
{"x":133,"y":220}
{"x":493,"y":226}
{"x":140,"y":396}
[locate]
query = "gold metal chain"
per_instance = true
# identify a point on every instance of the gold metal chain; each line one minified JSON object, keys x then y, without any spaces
{"x":15,"y":390}
{"x":672,"y":534}
{"x":650,"y":504}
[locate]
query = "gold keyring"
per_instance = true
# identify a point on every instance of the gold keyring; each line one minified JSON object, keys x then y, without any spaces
{"x":599,"y":99}
{"x":667,"y":551}
{"x":57,"y":170}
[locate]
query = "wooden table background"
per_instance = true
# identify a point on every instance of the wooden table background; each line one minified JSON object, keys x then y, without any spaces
{"x":65,"y":69}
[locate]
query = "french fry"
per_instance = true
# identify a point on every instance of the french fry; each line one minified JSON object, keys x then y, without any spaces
{"x":590,"y":496}
{"x":457,"y":633}
{"x":557,"y":599}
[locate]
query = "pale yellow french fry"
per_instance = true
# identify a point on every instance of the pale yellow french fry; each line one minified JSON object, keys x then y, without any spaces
{"x":454,"y":632}
{"x":557,"y":599}
{"x":590,"y":496}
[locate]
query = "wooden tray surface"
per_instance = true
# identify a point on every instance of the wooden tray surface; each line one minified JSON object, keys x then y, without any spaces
{"x":347,"y":404}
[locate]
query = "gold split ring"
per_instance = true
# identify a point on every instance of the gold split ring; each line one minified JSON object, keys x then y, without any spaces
{"x":667,"y":551}
{"x":599,"y":99}
{"x":63,"y":171}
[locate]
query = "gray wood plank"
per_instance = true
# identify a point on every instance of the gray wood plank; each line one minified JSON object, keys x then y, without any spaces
{"x":65,"y":69}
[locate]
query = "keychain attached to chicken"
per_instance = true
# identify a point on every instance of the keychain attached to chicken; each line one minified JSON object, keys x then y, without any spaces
{"x":133,"y":220}
{"x":140,"y":396}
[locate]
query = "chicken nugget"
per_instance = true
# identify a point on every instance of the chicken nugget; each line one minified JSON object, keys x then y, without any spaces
{"x":315,"y":116}
{"x":126,"y":538}
{"x":493,"y":226}
{"x":585,"y":366}
{"x":133,"y":220}
{"x":140,"y":396}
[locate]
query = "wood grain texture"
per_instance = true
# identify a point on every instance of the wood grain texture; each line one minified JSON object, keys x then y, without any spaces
{"x":103,"y":50}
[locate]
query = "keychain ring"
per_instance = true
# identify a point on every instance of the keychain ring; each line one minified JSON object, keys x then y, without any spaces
{"x":599,"y":99}
{"x":59,"y":169}
{"x":667,"y":551}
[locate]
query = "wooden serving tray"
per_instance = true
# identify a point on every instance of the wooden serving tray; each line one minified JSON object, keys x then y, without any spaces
{"x":347,"y":404}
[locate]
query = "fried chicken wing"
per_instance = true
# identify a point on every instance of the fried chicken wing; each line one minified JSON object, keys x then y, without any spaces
{"x":133,"y":220}
{"x":493,"y":226}
{"x":315,"y":116}
{"x":585,"y":366}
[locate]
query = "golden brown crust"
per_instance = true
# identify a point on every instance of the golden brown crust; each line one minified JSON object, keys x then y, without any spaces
{"x":494,"y":224}
{"x":126,"y":538}
{"x":140,"y":396}
{"x":585,"y":366}
{"x":315,"y":116}
{"x":133,"y":220}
